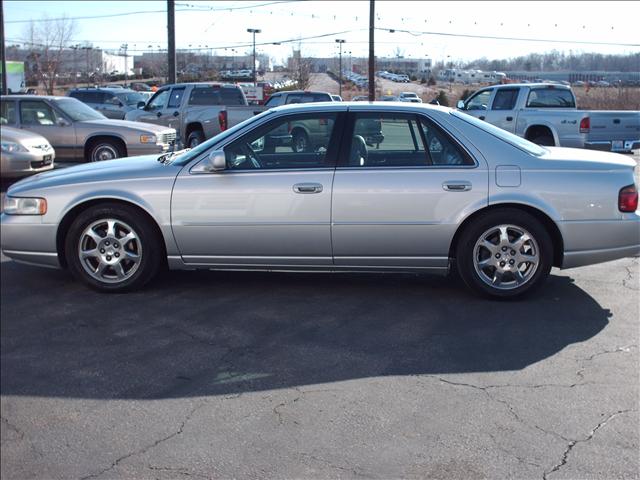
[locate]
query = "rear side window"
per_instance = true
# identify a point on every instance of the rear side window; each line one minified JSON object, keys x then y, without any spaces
{"x":551,"y":98}
{"x":505,"y":99}
{"x":204,"y":96}
{"x":232,"y":96}
{"x":442,"y":149}
{"x":8,"y":115}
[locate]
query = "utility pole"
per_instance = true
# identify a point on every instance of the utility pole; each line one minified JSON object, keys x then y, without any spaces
{"x":124,"y":47}
{"x":372,"y":58}
{"x":339,"y":41}
{"x":171,"y":47}
{"x":254,"y":31}
{"x":75,"y":64}
{"x":4,"y":60}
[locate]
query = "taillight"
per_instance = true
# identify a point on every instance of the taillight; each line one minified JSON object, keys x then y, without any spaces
{"x":628,"y":199}
{"x":222,"y":119}
{"x":585,"y":125}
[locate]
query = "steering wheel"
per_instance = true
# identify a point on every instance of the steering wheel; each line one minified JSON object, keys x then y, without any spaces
{"x":251,"y":155}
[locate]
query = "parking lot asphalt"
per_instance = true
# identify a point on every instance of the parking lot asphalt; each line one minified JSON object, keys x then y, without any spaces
{"x":273,"y":375}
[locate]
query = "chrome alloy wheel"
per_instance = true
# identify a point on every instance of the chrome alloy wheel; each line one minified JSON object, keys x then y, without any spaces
{"x":103,"y":152}
{"x":110,"y":250}
{"x":506,"y":257}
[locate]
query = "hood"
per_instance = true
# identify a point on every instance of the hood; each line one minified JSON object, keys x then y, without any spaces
{"x":587,"y":159}
{"x":143,"y":167}
{"x":17,"y":135}
{"x":146,"y":127}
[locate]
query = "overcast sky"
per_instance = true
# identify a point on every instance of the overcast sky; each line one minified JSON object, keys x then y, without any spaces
{"x":211,"y":24}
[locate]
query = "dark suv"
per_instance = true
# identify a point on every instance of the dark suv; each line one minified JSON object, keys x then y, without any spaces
{"x":111,"y":102}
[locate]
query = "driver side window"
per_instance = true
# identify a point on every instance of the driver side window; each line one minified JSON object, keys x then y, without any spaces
{"x":479,"y":101}
{"x":292,"y":142}
{"x":158,"y":101}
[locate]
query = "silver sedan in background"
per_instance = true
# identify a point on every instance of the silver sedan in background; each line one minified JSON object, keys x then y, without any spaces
{"x":24,"y":153}
{"x":442,"y":189}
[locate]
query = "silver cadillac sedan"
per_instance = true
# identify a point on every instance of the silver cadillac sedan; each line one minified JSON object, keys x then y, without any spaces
{"x":440,"y":190}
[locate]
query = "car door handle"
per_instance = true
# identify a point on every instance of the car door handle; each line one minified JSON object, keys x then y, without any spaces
{"x":509,"y":119}
{"x":176,"y":113}
{"x":481,"y":117}
{"x":159,"y":114}
{"x":307,"y":188}
{"x":456,"y":186}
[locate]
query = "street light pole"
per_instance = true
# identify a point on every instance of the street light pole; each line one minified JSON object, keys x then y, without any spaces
{"x":340,"y":41}
{"x":254,"y":31}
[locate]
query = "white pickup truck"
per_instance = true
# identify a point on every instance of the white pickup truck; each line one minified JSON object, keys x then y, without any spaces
{"x":547,"y":114}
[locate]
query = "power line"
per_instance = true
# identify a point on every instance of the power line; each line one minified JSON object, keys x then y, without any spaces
{"x":490,"y":37}
{"x":189,"y":8}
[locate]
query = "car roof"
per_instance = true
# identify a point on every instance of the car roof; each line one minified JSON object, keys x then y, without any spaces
{"x":537,"y":84}
{"x":186,"y":84}
{"x":357,"y":106}
{"x":313,"y":92}
{"x":34,"y":97}
{"x":103,"y":89}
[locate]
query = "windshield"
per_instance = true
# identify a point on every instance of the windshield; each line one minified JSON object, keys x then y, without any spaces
{"x":131,"y":98}
{"x":503,"y":135}
{"x":182,"y":159}
{"x":76,"y":110}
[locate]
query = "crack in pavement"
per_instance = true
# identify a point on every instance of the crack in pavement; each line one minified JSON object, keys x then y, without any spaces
{"x":145,"y":449}
{"x":11,"y":426}
{"x":180,"y":471}
{"x":630,"y":274}
{"x":606,"y":352}
{"x":573,"y":443}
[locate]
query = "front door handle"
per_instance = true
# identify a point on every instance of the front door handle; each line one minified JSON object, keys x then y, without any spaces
{"x":509,"y":119}
{"x":457,"y":186}
{"x":176,"y":113}
{"x":159,"y":114}
{"x":307,"y":188}
{"x":481,"y":117}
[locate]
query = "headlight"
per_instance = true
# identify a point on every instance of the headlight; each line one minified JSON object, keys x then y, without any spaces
{"x":11,"y":147}
{"x":24,"y":206}
{"x":148,"y":139}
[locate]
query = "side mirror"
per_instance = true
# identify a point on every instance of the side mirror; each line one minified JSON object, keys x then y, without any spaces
{"x":141,"y":104}
{"x":62,"y":122}
{"x":460,"y":104}
{"x":217,"y":161}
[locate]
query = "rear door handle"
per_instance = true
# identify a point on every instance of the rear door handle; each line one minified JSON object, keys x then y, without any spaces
{"x":159,"y":114}
{"x":176,"y":113}
{"x":481,"y":117}
{"x":509,"y":119}
{"x":457,"y":186}
{"x":307,"y":188}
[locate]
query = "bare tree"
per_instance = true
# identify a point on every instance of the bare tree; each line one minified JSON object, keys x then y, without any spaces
{"x":48,"y":39}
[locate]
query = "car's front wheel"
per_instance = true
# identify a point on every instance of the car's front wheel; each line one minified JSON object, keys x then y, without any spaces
{"x":102,"y":150}
{"x":504,"y":253}
{"x":113,"y":248}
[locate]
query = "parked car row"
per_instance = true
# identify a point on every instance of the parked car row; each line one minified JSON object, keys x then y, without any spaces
{"x":360,"y":81}
{"x":395,"y":77}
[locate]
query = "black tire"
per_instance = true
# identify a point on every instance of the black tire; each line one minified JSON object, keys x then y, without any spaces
{"x":105,"y":149}
{"x":477,"y":278}
{"x":544,"y":140}
{"x":149,"y":248}
{"x":195,"y":138}
{"x":300,"y":141}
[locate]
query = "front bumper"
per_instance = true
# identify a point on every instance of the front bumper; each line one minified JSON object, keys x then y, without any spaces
{"x":19,"y":164}
{"x":590,"y":242}
{"x":24,"y":238}
{"x":147,"y":149}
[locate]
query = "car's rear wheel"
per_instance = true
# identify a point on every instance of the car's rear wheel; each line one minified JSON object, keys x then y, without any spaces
{"x":195,"y":138}
{"x":504,"y":253}
{"x":544,"y":140}
{"x":300,"y":142}
{"x":102,"y":150}
{"x":113,"y":248}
